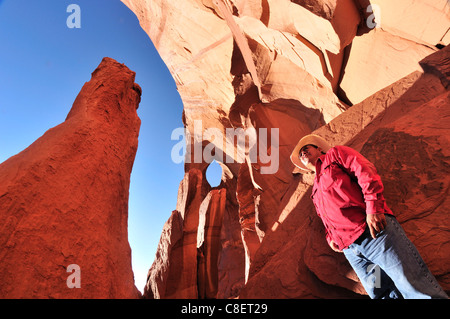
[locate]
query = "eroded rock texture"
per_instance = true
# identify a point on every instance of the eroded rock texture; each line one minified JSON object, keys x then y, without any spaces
{"x":347,"y":70}
{"x":64,"y":199}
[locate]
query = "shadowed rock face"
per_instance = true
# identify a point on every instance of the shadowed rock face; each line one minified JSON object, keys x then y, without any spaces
{"x":64,"y":199}
{"x":354,"y":72}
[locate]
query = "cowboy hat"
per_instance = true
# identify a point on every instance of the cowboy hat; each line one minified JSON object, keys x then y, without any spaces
{"x":310,"y":139}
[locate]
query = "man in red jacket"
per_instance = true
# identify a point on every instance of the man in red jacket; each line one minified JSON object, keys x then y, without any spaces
{"x":348,"y":196}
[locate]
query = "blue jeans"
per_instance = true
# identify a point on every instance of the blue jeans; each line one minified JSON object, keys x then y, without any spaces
{"x":390,"y":266}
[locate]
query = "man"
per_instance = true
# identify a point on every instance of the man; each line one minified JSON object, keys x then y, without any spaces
{"x":348,"y":196}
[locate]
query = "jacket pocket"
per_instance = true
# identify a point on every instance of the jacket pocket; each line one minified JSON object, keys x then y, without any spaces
{"x":333,"y":176}
{"x":327,"y":178}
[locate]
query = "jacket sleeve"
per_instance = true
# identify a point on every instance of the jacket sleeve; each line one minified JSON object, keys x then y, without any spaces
{"x":366,"y":174}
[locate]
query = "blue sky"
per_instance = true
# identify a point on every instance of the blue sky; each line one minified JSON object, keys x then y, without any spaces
{"x":44,"y":64}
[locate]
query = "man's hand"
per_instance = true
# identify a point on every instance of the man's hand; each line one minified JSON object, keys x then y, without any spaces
{"x":335,"y":247}
{"x":376,"y":223}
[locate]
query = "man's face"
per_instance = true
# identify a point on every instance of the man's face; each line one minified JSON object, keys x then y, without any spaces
{"x":309,"y":155}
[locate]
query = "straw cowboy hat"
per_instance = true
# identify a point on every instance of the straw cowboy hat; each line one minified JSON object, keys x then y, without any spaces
{"x":306,"y":140}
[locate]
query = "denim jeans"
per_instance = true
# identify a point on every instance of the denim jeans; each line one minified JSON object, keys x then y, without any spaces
{"x":390,"y":266}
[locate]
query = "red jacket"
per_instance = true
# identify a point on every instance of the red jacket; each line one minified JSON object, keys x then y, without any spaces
{"x":346,"y":188}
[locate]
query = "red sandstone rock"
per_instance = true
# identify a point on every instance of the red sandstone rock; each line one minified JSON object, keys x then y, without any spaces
{"x":298,"y":66}
{"x":196,"y":248}
{"x":406,"y":140}
{"x":372,"y":59}
{"x":174,"y":273}
{"x":64,"y":199}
